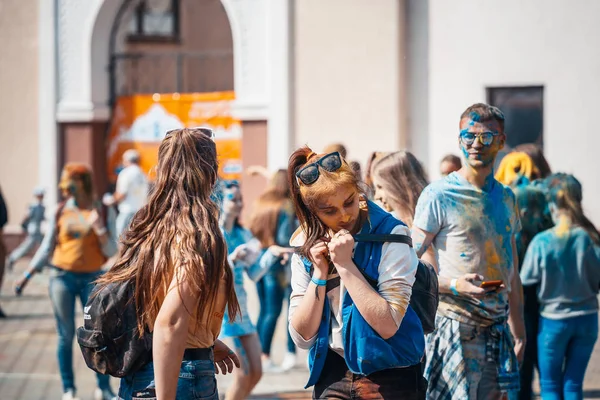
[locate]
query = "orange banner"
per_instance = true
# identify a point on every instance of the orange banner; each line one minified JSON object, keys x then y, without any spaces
{"x":141,"y":121}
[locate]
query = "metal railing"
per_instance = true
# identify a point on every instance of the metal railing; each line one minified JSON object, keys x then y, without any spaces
{"x":135,"y":73}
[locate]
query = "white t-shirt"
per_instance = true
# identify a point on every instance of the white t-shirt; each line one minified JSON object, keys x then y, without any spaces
{"x":132,"y":183}
{"x":473,"y":231}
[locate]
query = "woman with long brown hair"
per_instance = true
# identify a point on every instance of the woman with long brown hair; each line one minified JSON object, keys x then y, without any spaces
{"x":350,"y":301}
{"x":176,"y":254}
{"x":272,"y":222}
{"x":564,"y":263}
{"x":398,"y":180}
{"x":76,"y":246}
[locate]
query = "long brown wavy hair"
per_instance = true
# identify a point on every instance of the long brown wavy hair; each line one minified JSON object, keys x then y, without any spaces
{"x":305,"y":198}
{"x":268,"y":207}
{"x":178,"y":227}
{"x":403,"y":178}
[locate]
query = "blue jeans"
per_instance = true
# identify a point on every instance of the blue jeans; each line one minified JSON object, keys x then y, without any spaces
{"x":196,"y":381}
{"x":25,"y":247}
{"x":271,"y":289}
{"x":564,"y":350}
{"x":64,"y":288}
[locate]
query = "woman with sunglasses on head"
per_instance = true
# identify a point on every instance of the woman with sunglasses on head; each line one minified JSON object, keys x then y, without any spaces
{"x":365,"y":341}
{"x":175,"y":253}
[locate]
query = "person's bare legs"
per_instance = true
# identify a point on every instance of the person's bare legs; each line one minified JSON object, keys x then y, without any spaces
{"x":245,"y":378}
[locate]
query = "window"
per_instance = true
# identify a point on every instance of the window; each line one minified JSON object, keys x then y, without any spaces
{"x":523,"y":108}
{"x":155,"y":20}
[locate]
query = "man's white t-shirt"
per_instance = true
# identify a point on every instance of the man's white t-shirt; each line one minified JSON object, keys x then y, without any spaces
{"x":133,"y":184}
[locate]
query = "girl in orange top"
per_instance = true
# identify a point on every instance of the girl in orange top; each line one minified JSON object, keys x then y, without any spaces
{"x":76,"y":245}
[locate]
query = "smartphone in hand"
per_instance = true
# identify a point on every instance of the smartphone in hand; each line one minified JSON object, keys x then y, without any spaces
{"x":491,"y":284}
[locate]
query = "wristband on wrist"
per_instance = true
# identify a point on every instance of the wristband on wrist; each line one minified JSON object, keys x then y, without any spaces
{"x":27,"y":275}
{"x":453,"y":286}
{"x":319,"y":282}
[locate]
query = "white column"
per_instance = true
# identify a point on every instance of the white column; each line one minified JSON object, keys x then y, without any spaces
{"x":280,"y":88}
{"x":47,"y":129}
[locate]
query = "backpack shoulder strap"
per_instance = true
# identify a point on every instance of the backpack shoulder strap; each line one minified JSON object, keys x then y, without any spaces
{"x":386,"y":238}
{"x":380,"y":238}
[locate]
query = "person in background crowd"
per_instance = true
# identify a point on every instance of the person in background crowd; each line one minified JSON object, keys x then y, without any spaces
{"x":565,"y":262}
{"x":449,"y":164}
{"x":471,"y":219}
{"x":532,"y":207}
{"x":516,"y":169}
{"x":537,"y":156}
{"x":132,"y":190}
{"x":177,"y":255}
{"x":272,"y":222}
{"x":365,"y":341}
{"x":241,"y":257}
{"x":76,"y":245}
{"x":355,"y":165}
{"x":399,"y":179}
{"x":3,"y":221}
{"x":340,"y":148}
{"x":369,"y":169}
{"x":32,"y":224}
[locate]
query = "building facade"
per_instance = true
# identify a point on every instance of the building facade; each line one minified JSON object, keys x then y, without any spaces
{"x":382,"y":75}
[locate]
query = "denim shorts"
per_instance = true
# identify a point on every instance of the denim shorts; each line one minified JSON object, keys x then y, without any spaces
{"x":196,"y":381}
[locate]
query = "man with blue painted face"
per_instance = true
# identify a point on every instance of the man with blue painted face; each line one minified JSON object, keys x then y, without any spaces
{"x":471,"y":219}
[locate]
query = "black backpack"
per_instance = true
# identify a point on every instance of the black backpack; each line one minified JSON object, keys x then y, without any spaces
{"x":109,"y":337}
{"x":425,"y":292}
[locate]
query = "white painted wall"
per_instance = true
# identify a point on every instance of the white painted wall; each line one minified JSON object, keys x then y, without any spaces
{"x":346,"y":68}
{"x":555,"y":43}
{"x":18,"y":107}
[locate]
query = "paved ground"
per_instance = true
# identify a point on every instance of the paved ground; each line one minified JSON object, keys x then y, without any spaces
{"x":28,"y":367}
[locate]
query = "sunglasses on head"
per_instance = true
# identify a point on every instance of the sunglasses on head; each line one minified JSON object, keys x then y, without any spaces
{"x":205,"y":131}
{"x":485,"y":138}
{"x":310,"y":173}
